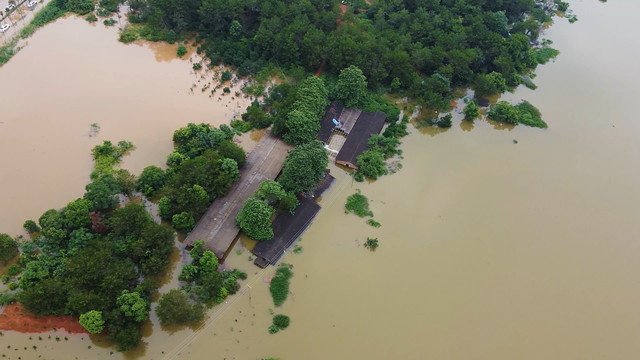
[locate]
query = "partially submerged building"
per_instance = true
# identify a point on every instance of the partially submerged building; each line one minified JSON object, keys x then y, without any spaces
{"x":346,"y":131}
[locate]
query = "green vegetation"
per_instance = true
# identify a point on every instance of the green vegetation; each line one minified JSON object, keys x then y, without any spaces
{"x":255,"y":219}
{"x":91,"y":17}
{"x":374,"y":223}
{"x":371,"y":164}
{"x":471,"y":111}
{"x":181,"y":51}
{"x":279,"y":286}
{"x":358,"y":204}
{"x":8,"y":248}
{"x":204,"y":283}
{"x":523,"y":113}
{"x":109,"y":22}
{"x":371,"y":244}
{"x":174,"y":308}
{"x":445,"y":121}
{"x":280,"y":322}
{"x":351,"y":89}
{"x":151,"y":180}
{"x":128,"y":35}
{"x":92,"y":321}
{"x":7,"y":52}
{"x":304,"y":167}
{"x":423,"y":50}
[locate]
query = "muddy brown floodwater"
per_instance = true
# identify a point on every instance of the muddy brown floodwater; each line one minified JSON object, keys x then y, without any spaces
{"x":488,"y":249}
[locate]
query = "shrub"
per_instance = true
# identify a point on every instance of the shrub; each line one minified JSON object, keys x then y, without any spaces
{"x":151,"y":179}
{"x":226,"y":90}
{"x":226,"y":76}
{"x":181,"y":51}
{"x":197,"y":66}
{"x":92,"y":321}
{"x":471,"y":111}
{"x":109,"y":22}
{"x":358,"y":204}
{"x":374,"y":223}
{"x":91,"y":18}
{"x":13,"y":286}
{"x":7,"y":298}
{"x":174,"y":308}
{"x":279,"y":286}
{"x":13,"y":270}
{"x":371,"y":244}
{"x":445,"y":121}
{"x":128,"y":35}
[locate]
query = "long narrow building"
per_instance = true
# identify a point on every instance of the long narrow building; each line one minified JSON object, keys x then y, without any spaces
{"x":217,"y":228}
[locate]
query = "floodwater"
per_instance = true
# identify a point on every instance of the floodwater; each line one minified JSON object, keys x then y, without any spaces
{"x":489,"y":249}
{"x":71,"y":75}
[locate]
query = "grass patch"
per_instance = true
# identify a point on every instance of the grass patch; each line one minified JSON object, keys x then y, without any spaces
{"x":279,"y":286}
{"x":7,"y":52}
{"x":371,"y":244}
{"x":374,"y":223}
{"x":358,"y":204}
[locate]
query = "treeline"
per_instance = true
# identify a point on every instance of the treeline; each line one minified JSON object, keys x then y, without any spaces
{"x":423,"y":48}
{"x":97,"y":261}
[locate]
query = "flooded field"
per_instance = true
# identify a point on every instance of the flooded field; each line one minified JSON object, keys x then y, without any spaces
{"x":489,"y":249}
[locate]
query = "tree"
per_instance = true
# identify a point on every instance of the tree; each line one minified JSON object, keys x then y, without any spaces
{"x":489,"y":84}
{"x":133,"y":306}
{"x":102,"y":193}
{"x":304,"y":167}
{"x":302,"y":127}
{"x":229,"y":149}
{"x":445,"y":121}
{"x":174,"y":309}
{"x":151,"y":180}
{"x":76,"y":214}
{"x":128,"y":220}
{"x":351,"y":89}
{"x":92,"y":321}
{"x":8,"y":248}
{"x":371,"y":164}
{"x":183,"y":222}
{"x":126,"y":181}
{"x":255,"y":219}
{"x":31,"y":227}
{"x":504,"y":112}
{"x":471,"y":111}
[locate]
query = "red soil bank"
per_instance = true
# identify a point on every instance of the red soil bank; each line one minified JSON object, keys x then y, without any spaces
{"x":16,"y":318}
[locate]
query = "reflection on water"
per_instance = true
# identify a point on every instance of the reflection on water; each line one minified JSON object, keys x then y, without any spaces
{"x":488,"y":250}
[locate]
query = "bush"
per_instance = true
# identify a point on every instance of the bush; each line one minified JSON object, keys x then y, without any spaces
{"x":13,"y":270}
{"x":374,"y":223}
{"x":471,"y":111}
{"x":174,"y":309}
{"x":30,"y":226}
{"x":181,"y":51}
{"x":358,"y":204}
{"x":7,"y":298}
{"x":445,"y":121}
{"x":226,"y":90}
{"x":13,"y":286}
{"x":91,"y":18}
{"x":229,"y":149}
{"x":279,"y":286}
{"x":183,"y":222}
{"x":109,"y":22}
{"x":128,"y":35}
{"x":197,"y":66}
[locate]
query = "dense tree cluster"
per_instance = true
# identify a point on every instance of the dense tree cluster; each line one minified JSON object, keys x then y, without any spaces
{"x":423,"y":47}
{"x":202,"y":168}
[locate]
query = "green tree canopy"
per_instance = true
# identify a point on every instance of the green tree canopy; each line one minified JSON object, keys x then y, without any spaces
{"x":133,"y":306}
{"x":371,"y":164}
{"x":76,"y":214}
{"x":92,"y":321}
{"x":151,"y":180}
{"x":304,"y":167}
{"x":351,"y":89}
{"x":174,"y":309}
{"x":255,"y":219}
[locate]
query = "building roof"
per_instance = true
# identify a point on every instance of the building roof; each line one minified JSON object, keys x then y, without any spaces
{"x":333,"y":111}
{"x":366,"y":125}
{"x":287,"y":229}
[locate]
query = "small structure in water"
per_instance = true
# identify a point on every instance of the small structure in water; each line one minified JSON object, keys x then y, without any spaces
{"x":346,"y":131}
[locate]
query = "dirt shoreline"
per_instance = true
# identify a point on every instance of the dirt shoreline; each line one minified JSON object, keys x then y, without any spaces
{"x":15,"y":318}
